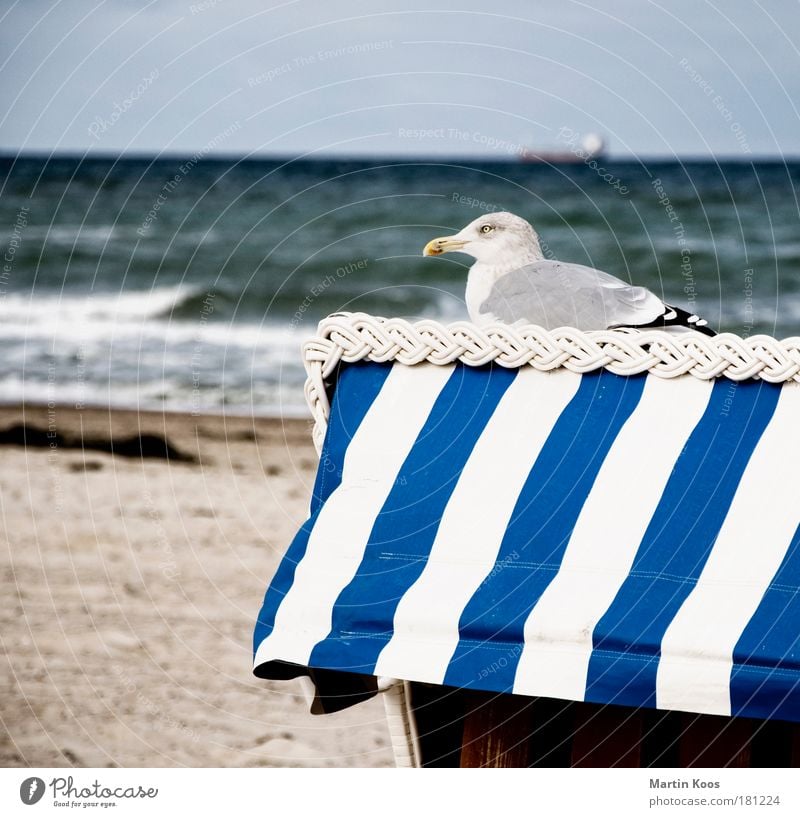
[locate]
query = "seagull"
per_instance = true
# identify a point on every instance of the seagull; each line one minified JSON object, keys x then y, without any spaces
{"x":512,"y":282}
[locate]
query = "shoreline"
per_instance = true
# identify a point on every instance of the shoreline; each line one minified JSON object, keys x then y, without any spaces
{"x":288,"y":414}
{"x":133,"y":580}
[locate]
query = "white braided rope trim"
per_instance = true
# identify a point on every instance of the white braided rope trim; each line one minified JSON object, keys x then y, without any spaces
{"x":355,"y":336}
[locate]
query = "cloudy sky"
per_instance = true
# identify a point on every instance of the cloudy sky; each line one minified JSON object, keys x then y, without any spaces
{"x":399,"y":77}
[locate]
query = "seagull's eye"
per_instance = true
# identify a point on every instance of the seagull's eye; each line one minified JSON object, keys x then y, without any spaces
{"x":487,"y":228}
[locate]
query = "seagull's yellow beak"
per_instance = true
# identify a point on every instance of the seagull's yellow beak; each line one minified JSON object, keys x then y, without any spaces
{"x":439,"y":245}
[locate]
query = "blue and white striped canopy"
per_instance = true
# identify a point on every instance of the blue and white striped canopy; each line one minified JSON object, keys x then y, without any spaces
{"x":627,"y":540}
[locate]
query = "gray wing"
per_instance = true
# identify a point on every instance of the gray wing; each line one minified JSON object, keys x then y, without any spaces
{"x":553,"y":294}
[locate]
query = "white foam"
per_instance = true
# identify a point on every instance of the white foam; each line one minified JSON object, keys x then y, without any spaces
{"x":134,"y":314}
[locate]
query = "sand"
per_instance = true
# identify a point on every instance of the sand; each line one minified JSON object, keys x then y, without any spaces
{"x":130,"y":587}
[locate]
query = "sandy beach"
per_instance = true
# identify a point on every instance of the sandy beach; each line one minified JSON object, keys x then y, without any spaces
{"x":131,"y":584}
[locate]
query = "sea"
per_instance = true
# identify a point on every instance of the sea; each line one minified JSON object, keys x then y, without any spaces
{"x":190,"y":284}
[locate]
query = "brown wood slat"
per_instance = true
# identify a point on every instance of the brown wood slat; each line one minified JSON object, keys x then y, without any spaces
{"x":550,"y":744}
{"x":497,"y":730}
{"x":715,"y":741}
{"x":661,"y":732}
{"x":607,"y":736}
{"x":771,"y":746}
{"x":508,"y":731}
{"x":795,"y":745}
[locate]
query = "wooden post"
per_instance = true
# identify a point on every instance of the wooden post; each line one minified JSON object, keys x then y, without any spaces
{"x":661,"y":737}
{"x":550,"y":744}
{"x":771,"y":745}
{"x":795,"y":745}
{"x":607,"y":737}
{"x":715,"y":741}
{"x":497,"y":729}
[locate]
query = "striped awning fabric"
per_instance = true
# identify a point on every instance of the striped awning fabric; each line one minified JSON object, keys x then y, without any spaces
{"x":614,"y":539}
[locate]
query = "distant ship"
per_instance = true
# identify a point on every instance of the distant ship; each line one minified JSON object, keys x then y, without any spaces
{"x":591,"y":146}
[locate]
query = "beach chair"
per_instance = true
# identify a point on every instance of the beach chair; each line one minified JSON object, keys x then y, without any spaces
{"x":554,"y":542}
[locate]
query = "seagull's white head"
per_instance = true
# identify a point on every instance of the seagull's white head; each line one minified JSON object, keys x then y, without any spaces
{"x":496,"y":239}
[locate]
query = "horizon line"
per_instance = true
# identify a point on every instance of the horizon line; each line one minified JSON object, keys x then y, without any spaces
{"x":391,"y":158}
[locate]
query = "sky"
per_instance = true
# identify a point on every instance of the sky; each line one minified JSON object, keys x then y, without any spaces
{"x":400,"y":77}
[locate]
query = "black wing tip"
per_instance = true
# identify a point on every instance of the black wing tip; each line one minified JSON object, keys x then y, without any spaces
{"x":673,"y":316}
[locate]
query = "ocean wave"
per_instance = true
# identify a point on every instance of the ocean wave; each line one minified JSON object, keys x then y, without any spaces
{"x":88,"y":306}
{"x":199,"y":302}
{"x":73,"y":234}
{"x":180,"y":306}
{"x":98,"y":236}
{"x":108,"y":332}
